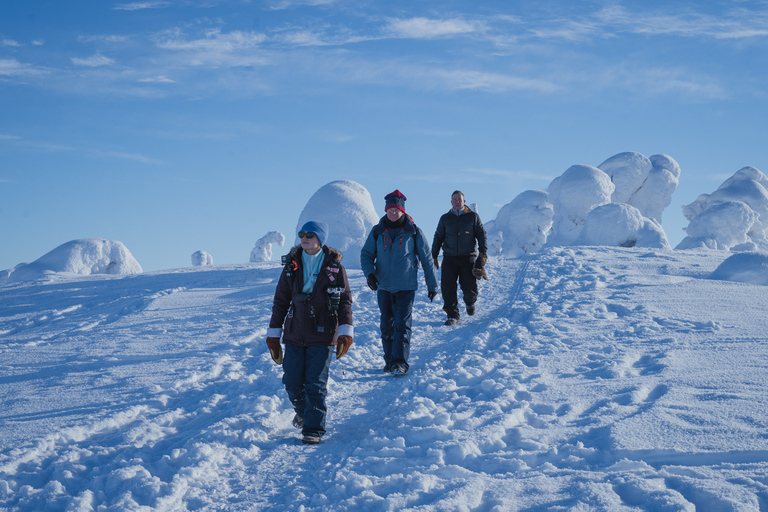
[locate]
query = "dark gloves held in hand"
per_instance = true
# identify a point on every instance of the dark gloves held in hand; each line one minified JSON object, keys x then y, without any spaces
{"x":437,"y":265}
{"x":275,"y":350}
{"x":431,"y":295}
{"x":344,"y":342}
{"x":373,"y":283}
{"x":479,"y":269}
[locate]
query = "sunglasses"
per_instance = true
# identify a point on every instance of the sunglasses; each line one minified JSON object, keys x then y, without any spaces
{"x":306,"y":234}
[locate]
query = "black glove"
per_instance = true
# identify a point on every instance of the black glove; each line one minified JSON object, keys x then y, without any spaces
{"x":373,"y":283}
{"x":437,"y":265}
{"x":431,"y":295}
{"x":478,"y":269}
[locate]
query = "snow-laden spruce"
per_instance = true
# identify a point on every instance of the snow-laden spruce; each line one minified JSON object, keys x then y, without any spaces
{"x":262,"y":251}
{"x":201,"y":259}
{"x":631,"y":186}
{"x":347,"y":208}
{"x":735,"y":216}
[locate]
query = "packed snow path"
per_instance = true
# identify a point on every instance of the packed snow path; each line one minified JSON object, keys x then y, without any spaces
{"x":589,"y":379}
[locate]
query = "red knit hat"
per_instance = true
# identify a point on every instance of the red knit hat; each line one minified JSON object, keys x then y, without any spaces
{"x":395,"y":199}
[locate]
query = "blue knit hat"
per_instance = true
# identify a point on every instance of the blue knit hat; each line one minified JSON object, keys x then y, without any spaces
{"x":318,"y":228}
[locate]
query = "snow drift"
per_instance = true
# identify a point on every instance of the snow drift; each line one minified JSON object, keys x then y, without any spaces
{"x":744,"y":267}
{"x":86,"y":256}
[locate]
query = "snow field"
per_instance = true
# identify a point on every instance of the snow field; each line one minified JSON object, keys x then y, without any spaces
{"x":589,"y":379}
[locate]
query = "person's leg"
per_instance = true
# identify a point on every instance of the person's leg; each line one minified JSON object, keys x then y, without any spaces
{"x":387,"y":325}
{"x":293,"y":377}
{"x":317,"y":366}
{"x":468,"y":283}
{"x":449,"y":273}
{"x":401,"y":347}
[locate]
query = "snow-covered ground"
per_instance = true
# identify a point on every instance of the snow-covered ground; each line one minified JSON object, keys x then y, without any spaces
{"x":591,"y":378}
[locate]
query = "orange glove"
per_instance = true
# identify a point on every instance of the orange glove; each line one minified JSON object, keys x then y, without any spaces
{"x":344,"y":342}
{"x":275,"y":350}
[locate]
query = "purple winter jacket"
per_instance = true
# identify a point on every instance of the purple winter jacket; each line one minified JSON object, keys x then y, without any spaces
{"x":307,"y":319}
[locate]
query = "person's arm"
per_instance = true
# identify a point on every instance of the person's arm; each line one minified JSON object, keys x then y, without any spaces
{"x":424,"y":254}
{"x":480,"y":236}
{"x":437,"y":240}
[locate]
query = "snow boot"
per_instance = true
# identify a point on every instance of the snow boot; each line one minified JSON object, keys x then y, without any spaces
{"x":452,"y":321}
{"x":310,"y":439}
{"x":298,"y":421}
{"x":471,"y":309}
{"x":399,"y":370}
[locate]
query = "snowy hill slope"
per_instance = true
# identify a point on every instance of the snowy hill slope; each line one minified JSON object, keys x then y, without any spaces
{"x":590,"y":379}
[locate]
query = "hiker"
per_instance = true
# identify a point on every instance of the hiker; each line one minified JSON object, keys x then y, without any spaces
{"x":461,"y":235}
{"x":312,"y":311}
{"x":390,"y":261}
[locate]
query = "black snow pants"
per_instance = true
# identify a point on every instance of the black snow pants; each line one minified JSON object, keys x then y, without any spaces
{"x":452,"y":269}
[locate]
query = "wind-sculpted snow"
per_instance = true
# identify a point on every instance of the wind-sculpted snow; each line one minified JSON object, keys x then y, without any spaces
{"x":589,"y":379}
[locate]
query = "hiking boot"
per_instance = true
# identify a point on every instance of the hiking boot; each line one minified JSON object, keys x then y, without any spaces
{"x":387,"y":369}
{"x":398,"y":370}
{"x":452,"y":321}
{"x":310,"y":439}
{"x":298,"y":421}
{"x":471,"y":309}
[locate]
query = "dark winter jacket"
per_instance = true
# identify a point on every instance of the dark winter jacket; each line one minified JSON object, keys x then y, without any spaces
{"x":393,"y":256}
{"x":456,"y":235}
{"x":308,"y":319}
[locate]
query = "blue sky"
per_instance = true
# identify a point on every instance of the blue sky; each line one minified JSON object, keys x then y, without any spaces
{"x":203,"y":124}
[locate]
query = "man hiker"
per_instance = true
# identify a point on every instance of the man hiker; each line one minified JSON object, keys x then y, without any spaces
{"x":461,"y":235}
{"x":390,"y":261}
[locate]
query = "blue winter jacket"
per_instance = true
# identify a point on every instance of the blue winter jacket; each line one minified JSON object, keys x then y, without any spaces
{"x":393,"y":255}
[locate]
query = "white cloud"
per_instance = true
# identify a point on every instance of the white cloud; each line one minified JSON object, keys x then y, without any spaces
{"x":214,"y":41}
{"x":129,"y":156}
{"x":136,"y":6}
{"x":277,"y":5}
{"x":494,"y":82}
{"x":12,"y":67}
{"x":426,"y":28}
{"x":93,"y":62}
{"x":10,"y":42}
{"x":735,"y":24}
{"x":160,"y":79}
{"x":38,"y":42}
{"x":215,"y":49}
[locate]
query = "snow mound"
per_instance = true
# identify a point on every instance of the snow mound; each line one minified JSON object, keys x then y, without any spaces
{"x":262,"y":251}
{"x":86,"y":256}
{"x":521,"y":226}
{"x":733,"y":217}
{"x":347,"y":208}
{"x":201,"y":259}
{"x":573,"y":195}
{"x":744,"y":267}
{"x":622,"y":225}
